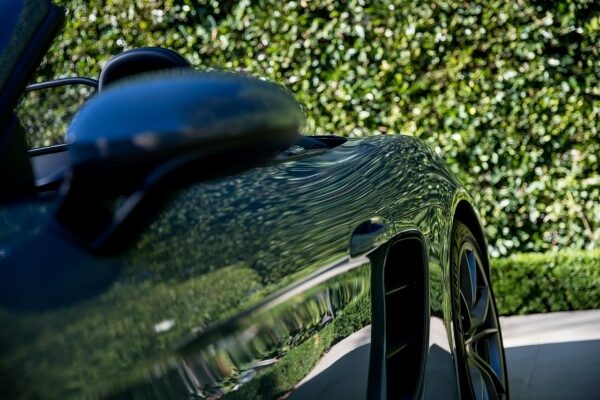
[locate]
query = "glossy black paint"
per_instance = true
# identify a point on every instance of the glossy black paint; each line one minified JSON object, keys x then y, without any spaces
{"x":28,"y":27}
{"x":236,"y":277}
{"x":136,"y":61}
{"x":37,"y":22}
{"x":165,"y":114}
{"x":322,"y":274}
{"x":167,"y":130}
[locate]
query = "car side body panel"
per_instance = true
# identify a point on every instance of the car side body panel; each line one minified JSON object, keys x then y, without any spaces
{"x":260,"y":285}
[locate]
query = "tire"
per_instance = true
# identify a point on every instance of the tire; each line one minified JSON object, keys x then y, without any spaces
{"x":479,"y":353}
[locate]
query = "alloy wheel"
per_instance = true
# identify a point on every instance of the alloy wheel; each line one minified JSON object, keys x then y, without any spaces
{"x":478,"y":340}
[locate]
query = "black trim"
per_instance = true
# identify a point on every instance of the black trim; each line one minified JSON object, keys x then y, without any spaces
{"x":330,"y":141}
{"x":376,"y":388}
{"x":58,"y":148}
{"x":406,"y":317}
{"x":400,"y":326}
{"x":75,"y":80}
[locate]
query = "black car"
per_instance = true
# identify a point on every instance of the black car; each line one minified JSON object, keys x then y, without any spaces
{"x":188,"y":242}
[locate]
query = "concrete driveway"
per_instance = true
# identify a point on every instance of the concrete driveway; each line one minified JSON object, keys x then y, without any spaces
{"x":553,"y":356}
{"x":549,"y":356}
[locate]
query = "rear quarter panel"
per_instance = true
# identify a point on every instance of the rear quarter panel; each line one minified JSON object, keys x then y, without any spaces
{"x":238,"y":289}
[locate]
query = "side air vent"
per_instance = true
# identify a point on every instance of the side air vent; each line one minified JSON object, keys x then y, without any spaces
{"x":405,"y":318}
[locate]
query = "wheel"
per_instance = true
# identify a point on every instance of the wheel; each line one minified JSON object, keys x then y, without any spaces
{"x":479,"y":353}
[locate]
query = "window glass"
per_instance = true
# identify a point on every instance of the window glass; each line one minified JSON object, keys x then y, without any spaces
{"x":45,"y":114}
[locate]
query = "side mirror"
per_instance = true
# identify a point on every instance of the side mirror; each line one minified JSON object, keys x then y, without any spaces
{"x":134,"y":146}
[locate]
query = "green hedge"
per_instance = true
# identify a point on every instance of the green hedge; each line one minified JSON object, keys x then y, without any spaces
{"x":539,"y":283}
{"x":508,"y":92}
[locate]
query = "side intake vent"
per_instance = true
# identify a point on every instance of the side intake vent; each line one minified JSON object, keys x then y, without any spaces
{"x":405,"y":277}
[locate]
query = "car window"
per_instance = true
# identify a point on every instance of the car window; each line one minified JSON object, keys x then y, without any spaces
{"x":46,"y":114}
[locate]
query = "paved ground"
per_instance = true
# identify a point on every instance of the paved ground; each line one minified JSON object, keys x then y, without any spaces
{"x":549,"y":356}
{"x":553,"y":356}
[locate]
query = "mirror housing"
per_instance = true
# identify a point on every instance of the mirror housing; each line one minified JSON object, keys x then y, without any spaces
{"x":163,"y":115}
{"x":138,"y":143}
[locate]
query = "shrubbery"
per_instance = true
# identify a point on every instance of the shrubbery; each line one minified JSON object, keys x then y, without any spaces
{"x":508,"y":91}
{"x":537,"y":283}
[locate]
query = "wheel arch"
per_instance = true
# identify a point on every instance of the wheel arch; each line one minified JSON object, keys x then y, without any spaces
{"x":465,"y":212}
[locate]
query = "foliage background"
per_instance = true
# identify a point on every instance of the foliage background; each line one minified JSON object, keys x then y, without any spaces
{"x":540,"y":283}
{"x":508,"y":92}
